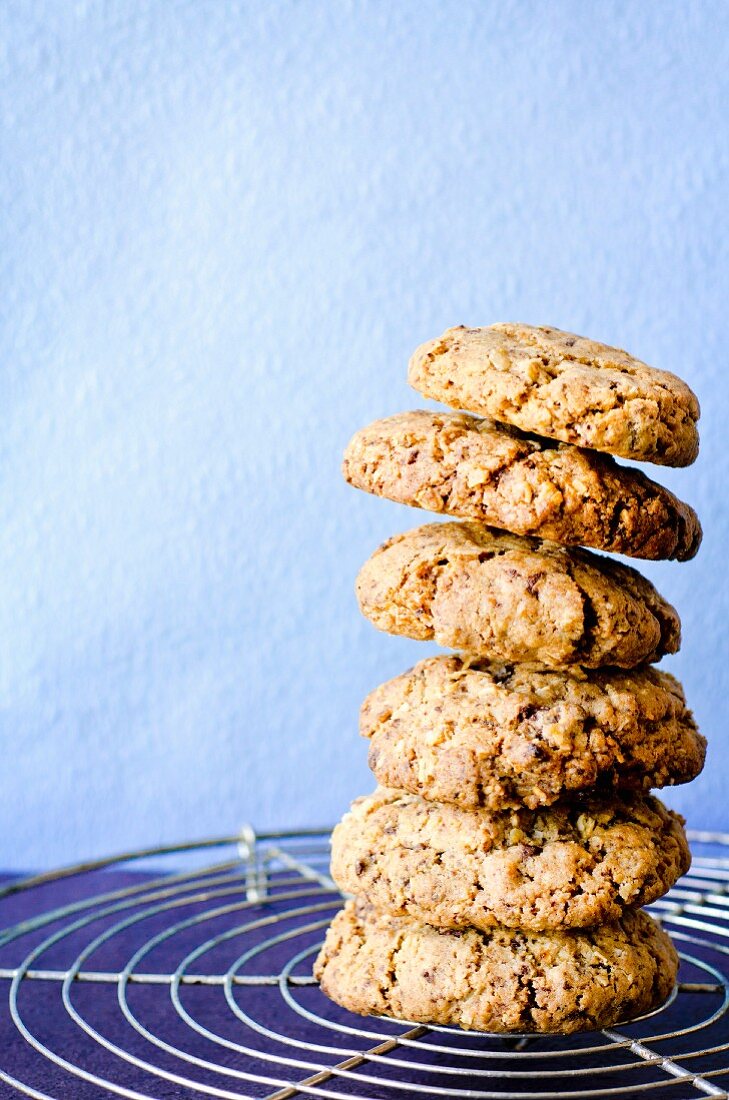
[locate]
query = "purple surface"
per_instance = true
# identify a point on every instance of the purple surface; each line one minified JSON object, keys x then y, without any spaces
{"x":43,"y":1012}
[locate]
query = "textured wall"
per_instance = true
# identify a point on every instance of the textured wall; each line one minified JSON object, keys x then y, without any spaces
{"x":225,"y":226}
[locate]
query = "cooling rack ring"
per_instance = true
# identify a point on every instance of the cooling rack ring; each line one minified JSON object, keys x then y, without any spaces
{"x":171,"y":974}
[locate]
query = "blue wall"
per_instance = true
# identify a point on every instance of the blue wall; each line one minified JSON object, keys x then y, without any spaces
{"x":225,"y":226}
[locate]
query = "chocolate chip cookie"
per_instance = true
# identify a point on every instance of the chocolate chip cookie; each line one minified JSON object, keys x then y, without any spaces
{"x":475,"y":469}
{"x":564,"y":387}
{"x":500,"y":980}
{"x":480,"y":734}
{"x":572,"y":865}
{"x":515,"y":599}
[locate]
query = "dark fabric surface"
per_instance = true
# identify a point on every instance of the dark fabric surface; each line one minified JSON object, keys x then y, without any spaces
{"x":243,"y":1050}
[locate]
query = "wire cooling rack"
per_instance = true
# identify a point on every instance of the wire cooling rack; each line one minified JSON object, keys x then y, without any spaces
{"x":185,"y":972}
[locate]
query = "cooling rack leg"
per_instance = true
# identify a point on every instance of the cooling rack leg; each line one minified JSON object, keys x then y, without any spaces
{"x":256,"y":885}
{"x":304,"y":869}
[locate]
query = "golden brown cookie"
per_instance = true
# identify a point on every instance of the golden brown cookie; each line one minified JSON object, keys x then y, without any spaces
{"x":572,"y":865}
{"x":475,"y":469}
{"x":500,"y":980}
{"x":507,"y":735}
{"x":515,"y":599}
{"x":564,"y":387}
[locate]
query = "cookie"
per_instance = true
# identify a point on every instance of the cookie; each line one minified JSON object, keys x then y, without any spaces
{"x":477,"y":734}
{"x":572,"y":865}
{"x":475,"y":469}
{"x":500,"y":980}
{"x":564,"y":387}
{"x":515,"y":599}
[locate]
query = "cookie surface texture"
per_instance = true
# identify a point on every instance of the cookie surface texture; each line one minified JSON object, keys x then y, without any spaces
{"x":480,"y":734}
{"x":570,"y":866}
{"x":475,"y":588}
{"x":558,"y":982}
{"x":564,"y":387}
{"x":470,"y":468}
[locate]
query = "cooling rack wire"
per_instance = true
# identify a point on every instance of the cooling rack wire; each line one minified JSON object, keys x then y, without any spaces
{"x":185,"y":972}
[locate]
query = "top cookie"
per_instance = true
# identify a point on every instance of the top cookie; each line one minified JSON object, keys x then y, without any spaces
{"x":564,"y":387}
{"x":476,"y":469}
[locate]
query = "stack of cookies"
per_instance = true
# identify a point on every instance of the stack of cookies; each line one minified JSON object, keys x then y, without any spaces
{"x":499,"y":869}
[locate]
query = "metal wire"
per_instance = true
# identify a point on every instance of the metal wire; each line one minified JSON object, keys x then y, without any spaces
{"x":196,"y":982}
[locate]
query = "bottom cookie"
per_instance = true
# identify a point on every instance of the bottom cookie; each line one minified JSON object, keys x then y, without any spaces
{"x":500,"y":980}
